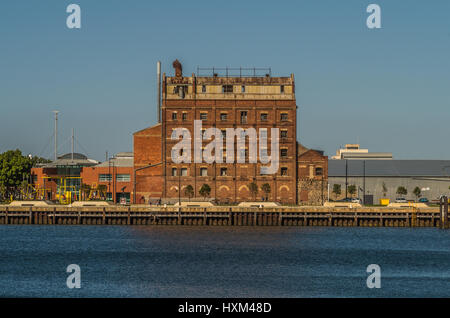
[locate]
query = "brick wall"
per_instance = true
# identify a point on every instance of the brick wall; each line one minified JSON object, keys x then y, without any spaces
{"x":147,"y":151}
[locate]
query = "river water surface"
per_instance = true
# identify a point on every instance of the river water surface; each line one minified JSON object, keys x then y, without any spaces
{"x":125,"y":261}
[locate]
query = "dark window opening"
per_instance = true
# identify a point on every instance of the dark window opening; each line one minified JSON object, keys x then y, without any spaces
{"x":243,"y":117}
{"x":227,"y":89}
{"x":319,"y":171}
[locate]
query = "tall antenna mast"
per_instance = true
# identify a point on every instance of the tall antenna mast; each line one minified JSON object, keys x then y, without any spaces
{"x":56,"y":133}
{"x":73,"y":136}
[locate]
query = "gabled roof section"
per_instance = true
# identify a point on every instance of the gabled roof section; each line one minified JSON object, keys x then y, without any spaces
{"x":147,"y":128}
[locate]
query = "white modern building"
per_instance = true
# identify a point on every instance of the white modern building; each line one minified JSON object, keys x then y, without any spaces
{"x":355,"y":152}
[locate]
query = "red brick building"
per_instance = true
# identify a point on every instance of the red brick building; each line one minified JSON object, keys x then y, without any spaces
{"x":149,"y":175}
{"x":147,"y":147}
{"x":230,"y":102}
{"x":61,"y":178}
{"x":312,"y":171}
{"x":227,"y":102}
{"x":116,"y":175}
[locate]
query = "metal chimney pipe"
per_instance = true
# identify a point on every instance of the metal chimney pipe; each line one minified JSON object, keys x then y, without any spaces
{"x":56,"y":133}
{"x":158,"y":72}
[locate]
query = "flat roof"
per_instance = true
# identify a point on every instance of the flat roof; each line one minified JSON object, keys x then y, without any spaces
{"x":390,"y":168}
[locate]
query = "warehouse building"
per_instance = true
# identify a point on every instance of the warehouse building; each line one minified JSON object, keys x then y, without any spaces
{"x":432,"y":177}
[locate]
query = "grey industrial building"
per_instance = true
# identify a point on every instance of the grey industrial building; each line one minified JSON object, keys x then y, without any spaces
{"x":431,"y":176}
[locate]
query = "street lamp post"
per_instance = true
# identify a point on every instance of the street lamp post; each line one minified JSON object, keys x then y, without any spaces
{"x":364,"y":182}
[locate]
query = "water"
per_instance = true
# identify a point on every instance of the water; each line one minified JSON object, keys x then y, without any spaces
{"x":120,"y":261}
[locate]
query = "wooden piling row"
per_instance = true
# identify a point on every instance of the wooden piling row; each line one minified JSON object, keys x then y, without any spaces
{"x":224,"y":217}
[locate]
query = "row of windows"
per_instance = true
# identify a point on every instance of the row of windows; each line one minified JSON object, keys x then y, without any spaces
{"x":223,"y":172}
{"x":119,"y":177}
{"x":229,"y":89}
{"x":244,"y":152}
{"x":224,"y":116}
{"x":226,"y":89}
{"x":283,"y":133}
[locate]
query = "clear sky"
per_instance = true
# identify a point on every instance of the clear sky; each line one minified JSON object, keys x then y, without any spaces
{"x":388,"y":88}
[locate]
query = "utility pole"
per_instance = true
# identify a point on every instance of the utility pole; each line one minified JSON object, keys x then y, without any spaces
{"x":158,"y":74}
{"x":73,"y":136}
{"x":56,"y":133}
{"x":364,"y":182}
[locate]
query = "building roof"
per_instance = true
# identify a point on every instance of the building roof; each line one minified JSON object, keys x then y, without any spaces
{"x":390,"y":168}
{"x":121,"y":159}
{"x":367,"y":155}
{"x":79,"y":160}
{"x":302,"y":150}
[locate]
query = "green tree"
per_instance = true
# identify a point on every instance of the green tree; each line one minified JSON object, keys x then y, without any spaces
{"x":402,"y":190}
{"x":384,"y":189}
{"x":352,"y":190}
{"x":417,"y":192}
{"x":253,"y":187}
{"x":37,"y":160}
{"x":336,"y":190}
{"x":189,"y":191}
{"x":205,"y":191}
{"x":14,"y":170}
{"x":266,"y":189}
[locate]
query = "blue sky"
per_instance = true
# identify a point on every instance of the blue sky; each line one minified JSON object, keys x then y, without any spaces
{"x":389,"y":88}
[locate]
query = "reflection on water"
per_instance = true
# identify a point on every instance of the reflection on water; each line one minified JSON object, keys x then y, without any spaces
{"x":120,"y":261}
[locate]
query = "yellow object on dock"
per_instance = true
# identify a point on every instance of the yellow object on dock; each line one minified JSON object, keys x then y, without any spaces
{"x":384,"y":201}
